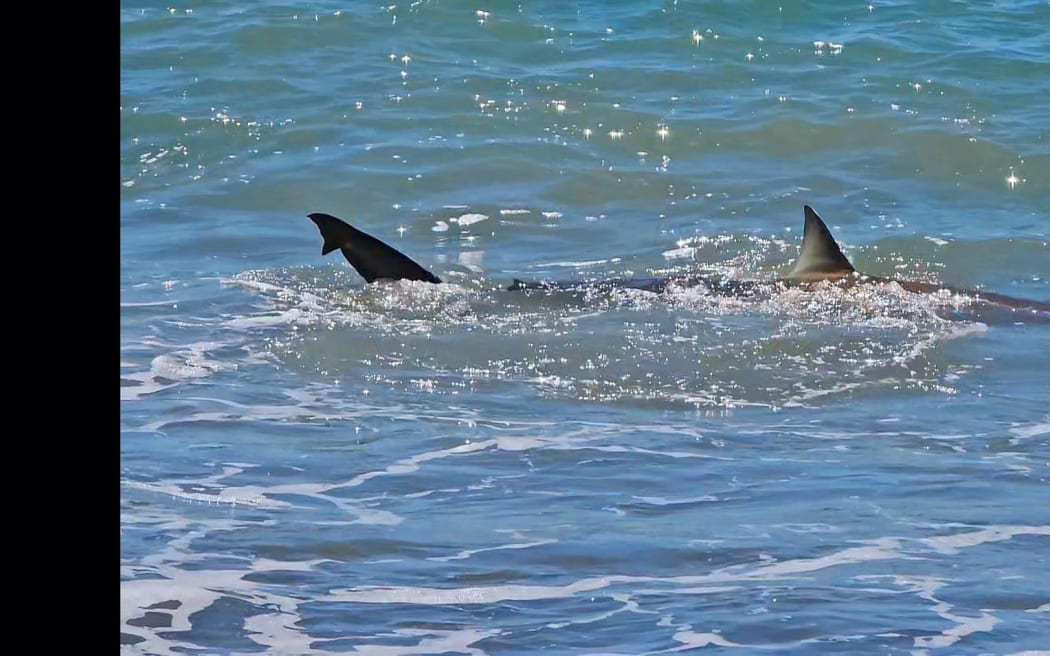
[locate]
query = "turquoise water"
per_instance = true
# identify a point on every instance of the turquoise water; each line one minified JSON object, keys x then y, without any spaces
{"x":312,"y":465}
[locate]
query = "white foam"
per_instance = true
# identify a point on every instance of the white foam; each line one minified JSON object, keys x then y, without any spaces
{"x":467,"y":553}
{"x":467,"y":596}
{"x":951,"y":544}
{"x":432,"y":641}
{"x":219,"y":491}
{"x":183,"y":366}
{"x":875,"y":550}
{"x":468,"y":219}
{"x":1030,"y":431}
{"x":692,"y":640}
{"x":663,"y":501}
{"x":685,"y":252}
{"x":279,"y":625}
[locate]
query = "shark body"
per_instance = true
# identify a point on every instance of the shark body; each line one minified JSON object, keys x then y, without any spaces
{"x":820,"y":260}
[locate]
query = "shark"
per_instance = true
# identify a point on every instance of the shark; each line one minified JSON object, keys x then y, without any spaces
{"x":820,"y":261}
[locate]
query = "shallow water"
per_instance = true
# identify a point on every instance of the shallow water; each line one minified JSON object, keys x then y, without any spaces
{"x":312,"y":465}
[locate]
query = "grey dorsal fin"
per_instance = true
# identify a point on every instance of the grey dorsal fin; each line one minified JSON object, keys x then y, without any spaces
{"x":370,"y":257}
{"x":820,"y":254}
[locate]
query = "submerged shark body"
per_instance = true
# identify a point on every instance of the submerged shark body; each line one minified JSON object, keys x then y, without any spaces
{"x":820,"y":260}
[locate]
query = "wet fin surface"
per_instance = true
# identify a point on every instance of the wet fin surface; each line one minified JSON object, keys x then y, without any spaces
{"x":820,"y":255}
{"x":370,"y":257}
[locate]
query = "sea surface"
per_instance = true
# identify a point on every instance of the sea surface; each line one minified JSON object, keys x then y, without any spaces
{"x":313,"y":465}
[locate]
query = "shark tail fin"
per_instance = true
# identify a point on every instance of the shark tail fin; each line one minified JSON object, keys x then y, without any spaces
{"x":371,"y":258}
{"x":820,"y":254}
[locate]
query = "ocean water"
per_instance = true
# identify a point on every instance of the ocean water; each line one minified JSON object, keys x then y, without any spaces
{"x":310,"y":465}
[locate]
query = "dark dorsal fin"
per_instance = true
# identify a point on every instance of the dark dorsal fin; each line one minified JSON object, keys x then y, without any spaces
{"x":373,"y":259}
{"x":820,"y":254}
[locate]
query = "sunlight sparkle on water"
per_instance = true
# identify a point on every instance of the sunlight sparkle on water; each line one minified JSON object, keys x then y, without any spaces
{"x":1012,"y":180}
